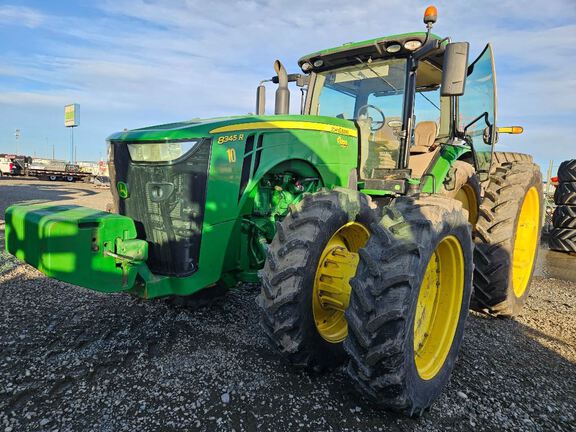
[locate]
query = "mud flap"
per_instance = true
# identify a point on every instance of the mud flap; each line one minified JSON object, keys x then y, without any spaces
{"x":78,"y":245}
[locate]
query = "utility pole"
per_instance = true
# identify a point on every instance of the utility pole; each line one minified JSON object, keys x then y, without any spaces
{"x":72,"y":145}
{"x":17,"y":135}
{"x":548,"y":177}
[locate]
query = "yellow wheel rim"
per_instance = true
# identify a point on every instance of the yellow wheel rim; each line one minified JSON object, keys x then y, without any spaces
{"x":467,"y":196}
{"x":525,"y":241}
{"x":438,"y":308}
{"x":331,"y":291}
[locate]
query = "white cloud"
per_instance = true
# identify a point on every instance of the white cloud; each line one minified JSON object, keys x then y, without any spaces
{"x":18,"y":15}
{"x":142,"y":62}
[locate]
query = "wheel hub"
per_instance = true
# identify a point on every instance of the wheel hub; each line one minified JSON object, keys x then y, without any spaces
{"x":525,"y":242}
{"x":438,"y":307}
{"x":331,"y":291}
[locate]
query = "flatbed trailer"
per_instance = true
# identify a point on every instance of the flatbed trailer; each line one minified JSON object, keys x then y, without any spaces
{"x":54,"y":175}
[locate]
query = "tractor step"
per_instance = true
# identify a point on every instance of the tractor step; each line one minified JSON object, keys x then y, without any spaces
{"x":78,"y":245}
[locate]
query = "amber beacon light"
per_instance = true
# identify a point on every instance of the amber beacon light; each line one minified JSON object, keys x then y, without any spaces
{"x":511,"y":130}
{"x":430,"y":15}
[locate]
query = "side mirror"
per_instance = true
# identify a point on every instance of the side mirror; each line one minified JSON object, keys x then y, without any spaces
{"x":487,"y":135}
{"x":455,"y":69}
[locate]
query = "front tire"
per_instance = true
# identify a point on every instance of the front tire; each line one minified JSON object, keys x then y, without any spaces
{"x":409,"y":303}
{"x":305,"y":280}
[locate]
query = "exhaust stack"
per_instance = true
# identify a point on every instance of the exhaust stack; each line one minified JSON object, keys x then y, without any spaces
{"x":261,"y":99}
{"x":282,"y":103}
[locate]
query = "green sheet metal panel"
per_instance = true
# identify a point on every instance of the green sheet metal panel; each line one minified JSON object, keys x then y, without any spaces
{"x":76,"y":244}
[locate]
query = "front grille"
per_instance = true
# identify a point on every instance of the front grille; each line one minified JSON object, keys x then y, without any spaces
{"x":167,"y":202}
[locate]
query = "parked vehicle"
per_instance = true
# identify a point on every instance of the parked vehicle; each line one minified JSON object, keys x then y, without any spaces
{"x":8,"y":166}
{"x":54,"y":170}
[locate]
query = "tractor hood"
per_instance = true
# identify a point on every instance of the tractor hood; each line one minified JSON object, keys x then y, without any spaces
{"x":205,"y":128}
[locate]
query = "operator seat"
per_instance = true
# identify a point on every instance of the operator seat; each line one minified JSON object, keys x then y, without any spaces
{"x":423,"y":150}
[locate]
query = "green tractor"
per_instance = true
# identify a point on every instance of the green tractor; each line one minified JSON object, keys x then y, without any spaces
{"x":374,"y":219}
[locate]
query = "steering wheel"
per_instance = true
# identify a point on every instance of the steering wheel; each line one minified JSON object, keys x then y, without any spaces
{"x":375,"y":125}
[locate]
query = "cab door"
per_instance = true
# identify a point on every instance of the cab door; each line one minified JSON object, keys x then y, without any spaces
{"x":477,"y":110}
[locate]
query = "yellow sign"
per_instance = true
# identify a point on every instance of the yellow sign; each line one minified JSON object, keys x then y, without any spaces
{"x":72,"y":115}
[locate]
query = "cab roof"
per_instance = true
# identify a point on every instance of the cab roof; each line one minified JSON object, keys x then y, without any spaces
{"x":374,"y":48}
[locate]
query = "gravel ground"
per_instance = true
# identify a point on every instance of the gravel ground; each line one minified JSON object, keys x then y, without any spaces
{"x":72,"y":359}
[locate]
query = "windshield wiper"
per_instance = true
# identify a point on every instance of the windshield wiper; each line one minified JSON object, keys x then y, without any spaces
{"x":377,"y":74}
{"x":425,"y":97}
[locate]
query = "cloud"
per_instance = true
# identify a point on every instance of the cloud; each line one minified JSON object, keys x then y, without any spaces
{"x":136,"y":62}
{"x":19,"y":15}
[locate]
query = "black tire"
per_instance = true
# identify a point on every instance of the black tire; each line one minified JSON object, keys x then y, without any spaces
{"x":567,"y":171}
{"x":70,"y":179}
{"x":562,"y":239}
{"x":52,"y":178}
{"x":289,"y":273}
{"x":495,"y":237}
{"x":564,"y":217}
{"x":462,"y":179}
{"x":565,"y":193}
{"x":499,"y":158}
{"x":384,"y":297}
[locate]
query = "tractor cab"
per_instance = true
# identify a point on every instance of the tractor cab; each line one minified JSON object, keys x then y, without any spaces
{"x":369,"y":87}
{"x":409,"y":95}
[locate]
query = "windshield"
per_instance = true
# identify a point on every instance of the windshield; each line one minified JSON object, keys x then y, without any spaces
{"x":371,"y":93}
{"x":344,"y":92}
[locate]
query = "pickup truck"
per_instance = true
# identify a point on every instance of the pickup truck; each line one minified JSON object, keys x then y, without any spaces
{"x":8,"y":167}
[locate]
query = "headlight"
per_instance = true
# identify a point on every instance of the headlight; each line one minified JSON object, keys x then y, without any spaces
{"x":160,"y":151}
{"x":393,"y":48}
{"x":412,"y":45}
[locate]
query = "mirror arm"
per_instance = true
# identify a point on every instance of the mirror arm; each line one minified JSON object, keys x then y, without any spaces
{"x":299,"y":79}
{"x":483,"y":115}
{"x":428,"y":48}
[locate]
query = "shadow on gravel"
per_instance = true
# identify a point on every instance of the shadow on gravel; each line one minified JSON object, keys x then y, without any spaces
{"x":41,"y":193}
{"x":559,"y":265}
{"x":78,"y":360}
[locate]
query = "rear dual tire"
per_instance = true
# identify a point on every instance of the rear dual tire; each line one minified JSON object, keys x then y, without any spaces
{"x":507,"y":235}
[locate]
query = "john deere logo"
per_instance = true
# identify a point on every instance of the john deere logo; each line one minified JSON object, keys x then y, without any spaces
{"x":343,"y":143}
{"x":122,"y":189}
